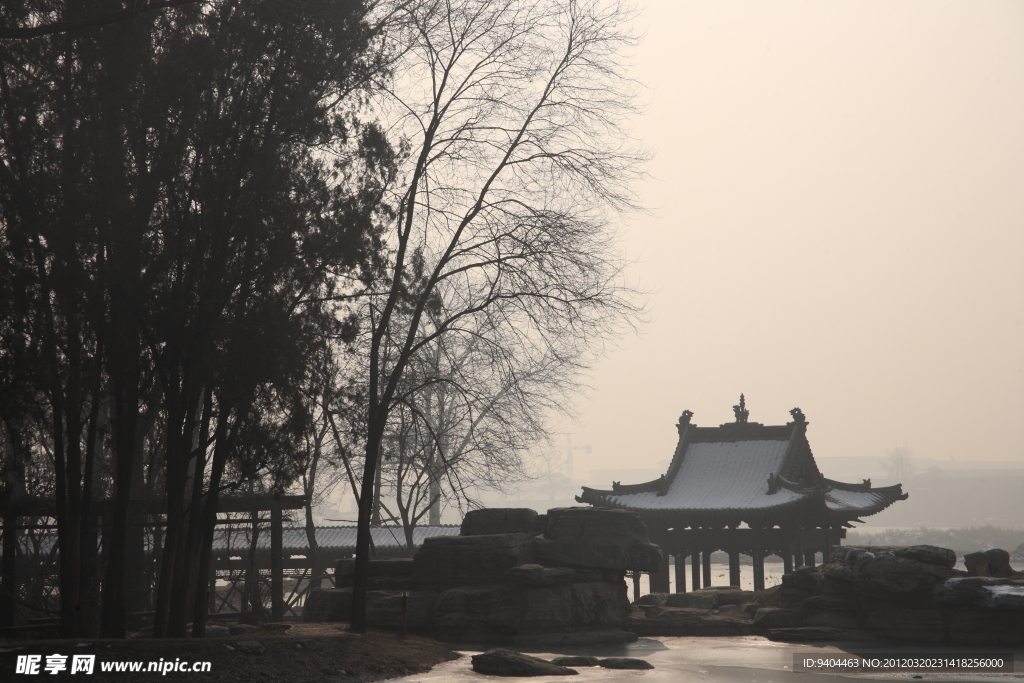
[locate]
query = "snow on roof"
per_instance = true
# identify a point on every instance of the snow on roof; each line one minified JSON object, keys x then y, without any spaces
{"x":720,"y":475}
{"x":839,"y":500}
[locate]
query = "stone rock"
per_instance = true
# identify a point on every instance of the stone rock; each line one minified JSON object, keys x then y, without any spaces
{"x":488,"y":521}
{"x":250,"y":647}
{"x":686,"y":621}
{"x":807,"y":579}
{"x":775,"y":617}
{"x":584,"y":574}
{"x":241,"y":629}
{"x":499,"y":662}
{"x":985,"y":626}
{"x":885,"y":571}
{"x":993,"y":562}
{"x":598,"y":537}
{"x":620,"y":556}
{"x":928,"y":554}
{"x":476,"y":612}
{"x":385,"y":570}
{"x":217,"y":632}
{"x":907,"y":624}
{"x":727,"y":595}
{"x":845,"y":620}
{"x":625,"y":663}
{"x":384,"y":609}
{"x":809,"y":633}
{"x":980,"y":591}
{"x":829,"y":603}
{"x":328,"y":604}
{"x":654,"y":600}
{"x":576,"y":661}
{"x":460,"y":560}
{"x":536,"y":575}
{"x":577,"y":639}
{"x":696,"y":599}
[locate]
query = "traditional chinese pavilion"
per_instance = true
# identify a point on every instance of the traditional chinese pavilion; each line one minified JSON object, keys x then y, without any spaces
{"x":743,"y":487}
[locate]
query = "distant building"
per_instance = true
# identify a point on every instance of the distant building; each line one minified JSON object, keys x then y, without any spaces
{"x":743,"y":474}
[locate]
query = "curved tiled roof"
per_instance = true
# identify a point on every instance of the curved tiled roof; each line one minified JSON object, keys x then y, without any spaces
{"x":841,"y":504}
{"x":745,"y":472}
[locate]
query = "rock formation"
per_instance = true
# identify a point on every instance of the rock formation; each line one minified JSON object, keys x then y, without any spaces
{"x":897,"y":593}
{"x":512,"y":574}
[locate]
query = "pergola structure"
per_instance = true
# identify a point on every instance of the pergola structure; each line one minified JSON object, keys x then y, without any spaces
{"x":743,"y":487}
{"x":101,"y":511}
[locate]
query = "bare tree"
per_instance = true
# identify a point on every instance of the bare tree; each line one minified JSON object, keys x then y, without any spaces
{"x":468,"y":411}
{"x":510,"y":113}
{"x":899,"y":463}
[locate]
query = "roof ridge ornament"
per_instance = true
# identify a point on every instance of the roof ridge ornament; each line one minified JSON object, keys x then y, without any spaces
{"x":684,"y":420}
{"x":740,"y":410}
{"x":798,"y":416}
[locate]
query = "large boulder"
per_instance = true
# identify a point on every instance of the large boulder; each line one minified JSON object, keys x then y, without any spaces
{"x":577,"y":660}
{"x":328,"y":604}
{"x":460,"y":560}
{"x":599,"y":538}
{"x":482,"y":612}
{"x":776,"y":617}
{"x":537,"y":575}
{"x":887,"y":572}
{"x":383,"y":607}
{"x":686,"y":621}
{"x":625,"y":663}
{"x":695,"y":599}
{"x":981,"y":591}
{"x":995,"y":562}
{"x":919,"y":625}
{"x":501,"y":662}
{"x":383,"y":573}
{"x":489,"y":521}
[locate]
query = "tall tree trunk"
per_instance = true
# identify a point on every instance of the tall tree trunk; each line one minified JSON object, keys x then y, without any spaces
{"x":361,"y":569}
{"x":89,"y":577}
{"x":209,"y":522}
{"x":175,"y":487}
{"x":188,"y":556}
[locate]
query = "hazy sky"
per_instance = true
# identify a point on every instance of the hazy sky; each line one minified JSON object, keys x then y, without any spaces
{"x":838,"y":197}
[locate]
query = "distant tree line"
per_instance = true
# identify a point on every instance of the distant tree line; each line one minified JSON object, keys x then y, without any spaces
{"x":277,"y":246}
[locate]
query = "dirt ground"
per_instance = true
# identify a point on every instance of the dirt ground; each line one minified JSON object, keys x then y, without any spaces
{"x":307,"y":653}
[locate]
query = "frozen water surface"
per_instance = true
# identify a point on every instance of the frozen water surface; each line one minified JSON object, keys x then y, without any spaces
{"x":720,"y":660}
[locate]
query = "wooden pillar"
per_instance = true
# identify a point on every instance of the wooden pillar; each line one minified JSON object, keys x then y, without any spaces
{"x":695,"y":569}
{"x":707,"y":568}
{"x":636,"y":584}
{"x":758,"y":558}
{"x":680,"y":576}
{"x":734,"y":568}
{"x":276,"y":564}
{"x":787,"y":561}
{"x":660,"y":579}
{"x":798,"y":551}
{"x":9,"y":580}
{"x":809,"y":558}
